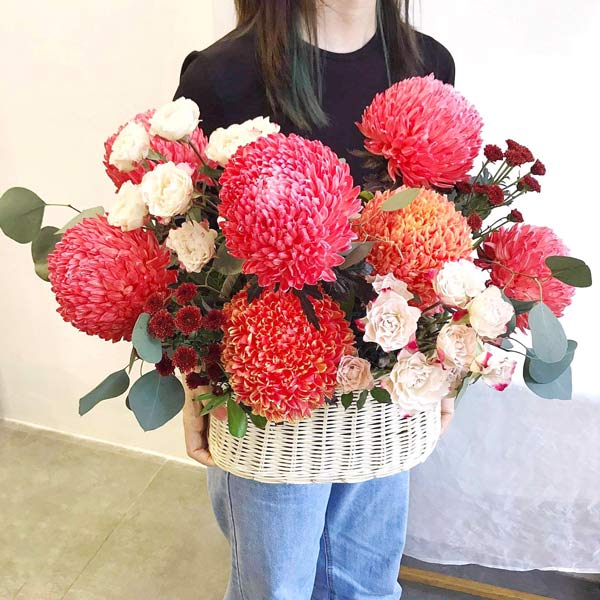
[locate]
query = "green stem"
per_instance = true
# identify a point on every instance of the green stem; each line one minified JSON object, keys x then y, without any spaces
{"x":68,"y":205}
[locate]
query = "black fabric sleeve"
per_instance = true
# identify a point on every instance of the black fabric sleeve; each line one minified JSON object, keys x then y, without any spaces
{"x":436,"y":59}
{"x":197,"y":84}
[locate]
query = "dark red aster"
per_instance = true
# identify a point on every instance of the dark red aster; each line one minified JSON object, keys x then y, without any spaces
{"x":479,"y":188}
{"x":475,"y":222}
{"x":515,"y":216}
{"x":529,"y":184}
{"x":464,"y":187}
{"x":538,"y":168}
{"x":214,"y":371}
{"x":188,"y":319}
{"x":495,"y":195}
{"x":517,"y":154}
{"x":185,"y":359}
{"x":161,"y":325}
{"x":213,"y":352}
{"x":186,"y":292}
{"x":493,"y":153}
{"x":165,"y":366}
{"x":195,"y":380}
{"x":155,"y":302}
{"x":213,"y":320}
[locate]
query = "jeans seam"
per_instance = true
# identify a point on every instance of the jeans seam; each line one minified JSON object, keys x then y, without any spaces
{"x":328,"y":564}
{"x":234,"y":545}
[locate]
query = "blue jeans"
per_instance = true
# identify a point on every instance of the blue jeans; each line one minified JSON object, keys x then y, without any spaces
{"x":341,"y":541}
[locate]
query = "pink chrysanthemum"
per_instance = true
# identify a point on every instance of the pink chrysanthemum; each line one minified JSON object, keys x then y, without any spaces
{"x":102,"y":276}
{"x":278,"y":363}
{"x":287,"y":203}
{"x":518,"y":253}
{"x":428,"y":132}
{"x":415,"y":241}
{"x":173,"y":151}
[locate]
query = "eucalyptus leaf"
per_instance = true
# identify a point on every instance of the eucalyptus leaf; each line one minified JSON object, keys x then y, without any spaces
{"x":111,"y":387}
{"x":381,"y":395}
{"x":84,"y":214}
{"x":347,"y":399}
{"x":225,"y":263}
{"x":258,"y":420}
{"x":210,"y":172}
{"x":41,"y":246}
{"x":522,"y":306}
{"x":359,"y":252}
{"x":549,"y":339}
{"x":147,"y":347}
{"x":559,"y":389}
{"x":21,"y":214}
{"x":544,"y":372}
{"x":570,"y":270}
{"x":506,"y":344}
{"x":237,"y":421}
{"x":155,"y":399}
{"x":157,"y":156}
{"x":400,"y":199}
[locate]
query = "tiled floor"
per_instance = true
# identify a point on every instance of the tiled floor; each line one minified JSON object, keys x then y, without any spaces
{"x":86,"y":521}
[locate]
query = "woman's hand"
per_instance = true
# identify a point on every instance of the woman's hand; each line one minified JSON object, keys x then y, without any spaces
{"x":447,"y":413}
{"x":196,"y":426}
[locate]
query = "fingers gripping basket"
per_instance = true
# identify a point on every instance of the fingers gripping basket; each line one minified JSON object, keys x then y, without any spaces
{"x":334,"y":445}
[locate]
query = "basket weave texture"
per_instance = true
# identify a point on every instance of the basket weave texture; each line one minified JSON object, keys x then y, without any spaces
{"x":333,"y":445}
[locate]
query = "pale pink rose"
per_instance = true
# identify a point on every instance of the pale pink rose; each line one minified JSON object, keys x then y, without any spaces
{"x":390,"y":321}
{"x":353,"y":374}
{"x":457,"y":346}
{"x":457,"y":282}
{"x":417,"y":384}
{"x":495,"y":371}
{"x":489,"y":313}
{"x":389,"y":282}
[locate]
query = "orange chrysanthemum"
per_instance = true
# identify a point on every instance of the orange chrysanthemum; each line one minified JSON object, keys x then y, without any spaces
{"x":278,"y":363}
{"x":413,"y":241}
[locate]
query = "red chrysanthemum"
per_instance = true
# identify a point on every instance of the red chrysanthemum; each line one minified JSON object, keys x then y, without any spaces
{"x":173,"y":151}
{"x":161,"y":324}
{"x":165,"y":366}
{"x":538,"y":168}
{"x":286,"y":202}
{"x":195,"y":380}
{"x":519,"y":253}
{"x":155,"y":302}
{"x":475,"y":222}
{"x":213,"y":320}
{"x":213,"y":352}
{"x":529,"y":184}
{"x":414,"y":240}
{"x":515,"y":216}
{"x":188,"y":319}
{"x":495,"y":195}
{"x":480,"y":188}
{"x":493,"y":153}
{"x":464,"y":187}
{"x":186,"y":292}
{"x":185,"y":359}
{"x":214,"y":371}
{"x":279,"y":364}
{"x":427,"y":131}
{"x":102,"y":276}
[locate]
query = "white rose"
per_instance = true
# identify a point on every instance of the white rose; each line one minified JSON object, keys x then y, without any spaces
{"x":354,"y":373}
{"x":223,"y":143}
{"x":496,"y":372}
{"x":130,"y":146}
{"x":457,"y":282}
{"x":416,"y":384}
{"x":388,"y":282}
{"x":175,"y":120}
{"x":194,"y":244}
{"x":457,"y":346}
{"x":129,"y":211}
{"x":168,"y":189}
{"x":390,"y":321}
{"x":489,"y":313}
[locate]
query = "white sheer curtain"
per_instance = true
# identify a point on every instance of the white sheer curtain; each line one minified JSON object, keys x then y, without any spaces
{"x":514,"y":484}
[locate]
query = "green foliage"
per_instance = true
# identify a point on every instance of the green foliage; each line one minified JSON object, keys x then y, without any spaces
{"x":147,"y":347}
{"x":237,"y":421}
{"x":543,"y":372}
{"x":400,"y":199}
{"x":225,"y":263}
{"x":111,"y":387}
{"x":41,"y":246}
{"x":366,"y":195}
{"x":362,"y":398}
{"x":155,"y":399}
{"x":569,"y":270}
{"x":521,"y":306}
{"x":381,"y":395}
{"x":21,"y":214}
{"x":84,"y":214}
{"x":347,"y":400}
{"x":212,"y":401}
{"x":549,"y":339}
{"x":358,"y":252}
{"x":154,"y":155}
{"x":258,"y":421}
{"x":559,"y":389}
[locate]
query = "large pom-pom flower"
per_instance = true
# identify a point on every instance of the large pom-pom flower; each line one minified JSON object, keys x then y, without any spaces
{"x":173,"y":151}
{"x":278,"y":363}
{"x":416,"y":240}
{"x":427,"y":131}
{"x":518,"y":253}
{"x":286,"y":202}
{"x":102,"y":276}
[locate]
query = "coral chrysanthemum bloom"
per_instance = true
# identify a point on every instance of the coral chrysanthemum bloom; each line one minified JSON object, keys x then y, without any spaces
{"x":517,"y":254}
{"x":286,"y":202}
{"x":173,"y":151}
{"x":413,"y":241}
{"x":427,"y":131}
{"x":102,"y":276}
{"x":278,"y":363}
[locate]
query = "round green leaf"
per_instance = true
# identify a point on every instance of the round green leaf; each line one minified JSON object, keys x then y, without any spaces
{"x":41,"y":246}
{"x":549,"y":339}
{"x":147,"y":347}
{"x":400,"y":199}
{"x":155,"y":399}
{"x":21,"y":214}
{"x":559,"y":389}
{"x":570,"y":270}
{"x":544,"y":372}
{"x":236,"y":419}
{"x":114,"y":385}
{"x":88,"y":212}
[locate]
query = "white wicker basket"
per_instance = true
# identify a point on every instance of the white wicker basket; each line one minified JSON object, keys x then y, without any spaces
{"x":333,"y":445}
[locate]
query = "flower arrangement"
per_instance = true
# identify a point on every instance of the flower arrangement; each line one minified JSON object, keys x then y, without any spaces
{"x":251,"y":263}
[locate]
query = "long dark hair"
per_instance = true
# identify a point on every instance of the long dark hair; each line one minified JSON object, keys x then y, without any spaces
{"x":292,"y":69}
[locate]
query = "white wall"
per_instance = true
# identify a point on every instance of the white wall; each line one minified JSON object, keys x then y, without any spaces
{"x":73,"y":71}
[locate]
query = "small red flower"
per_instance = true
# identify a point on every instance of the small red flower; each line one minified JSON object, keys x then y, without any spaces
{"x":213,"y":352}
{"x":464,"y":187}
{"x":538,"y":168}
{"x":475,"y":222}
{"x":517,"y":154}
{"x":213,"y":320}
{"x":493,"y":153}
{"x":186,"y":292}
{"x":188,"y":319}
{"x":195,"y":380}
{"x":165,"y":366}
{"x":155,"y":302}
{"x":479,"y":188}
{"x":529,"y":184}
{"x":524,"y":150}
{"x":214,"y":371}
{"x":495,"y":195}
{"x":161,"y":325}
{"x":217,"y":390}
{"x":185,"y":359}
{"x":515,"y":216}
